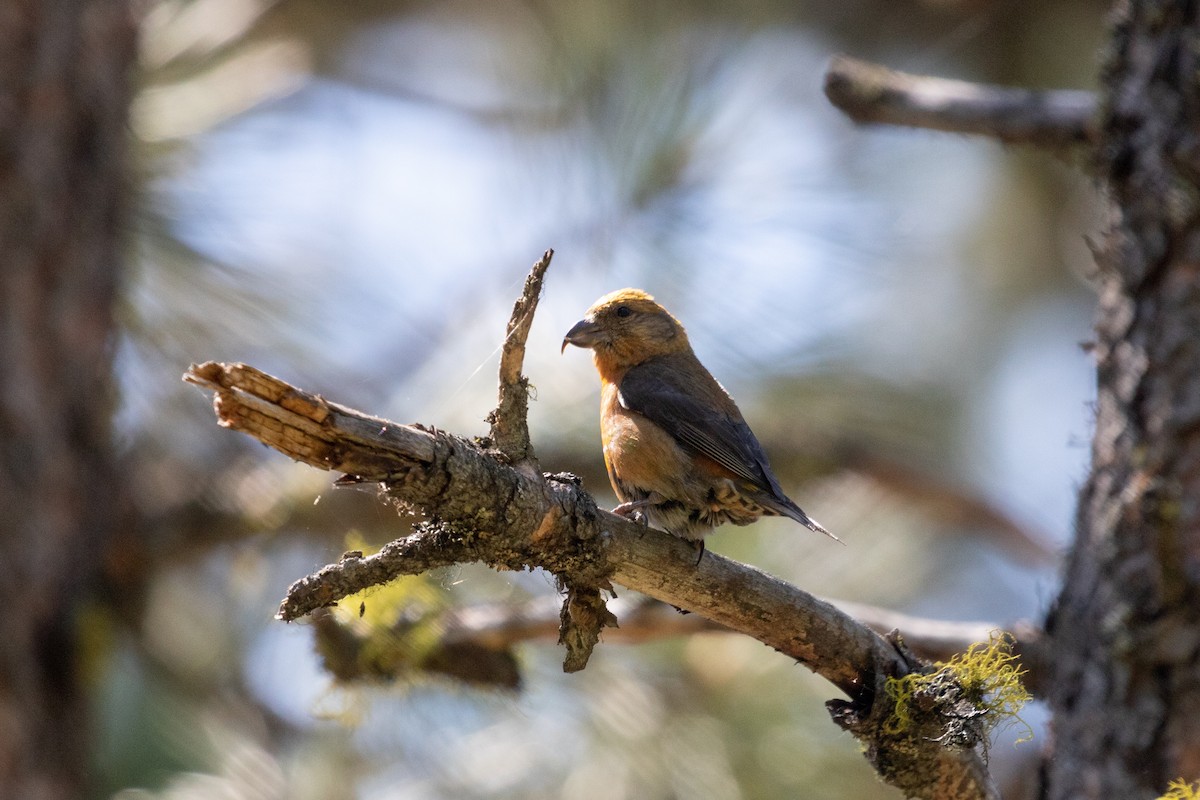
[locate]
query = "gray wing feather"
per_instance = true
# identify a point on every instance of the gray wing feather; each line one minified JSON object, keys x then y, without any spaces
{"x":657,"y":395}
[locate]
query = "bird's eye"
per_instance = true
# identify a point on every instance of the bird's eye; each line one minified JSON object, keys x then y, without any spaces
{"x":623,"y":311}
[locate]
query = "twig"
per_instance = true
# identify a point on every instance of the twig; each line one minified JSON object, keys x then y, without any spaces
{"x":510,"y":427}
{"x":870,"y":93}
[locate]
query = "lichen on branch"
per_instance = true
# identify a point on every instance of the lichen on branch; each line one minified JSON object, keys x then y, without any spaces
{"x":486,"y":501}
{"x":967,"y":697}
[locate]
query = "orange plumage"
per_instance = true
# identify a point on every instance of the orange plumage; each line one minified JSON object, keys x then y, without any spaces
{"x":675,"y":444}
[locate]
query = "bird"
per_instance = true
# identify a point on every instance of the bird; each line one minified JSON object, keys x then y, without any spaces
{"x":679,"y":453}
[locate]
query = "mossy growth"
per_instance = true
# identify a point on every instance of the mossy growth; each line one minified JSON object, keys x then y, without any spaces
{"x":1182,"y":790}
{"x":967,"y":697}
{"x":395,"y":634}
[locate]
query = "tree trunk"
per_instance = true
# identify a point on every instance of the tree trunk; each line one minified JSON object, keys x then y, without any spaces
{"x":1126,"y":628}
{"x":64,"y":94}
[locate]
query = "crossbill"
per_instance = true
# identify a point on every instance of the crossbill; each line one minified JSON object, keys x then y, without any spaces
{"x":678,"y":451}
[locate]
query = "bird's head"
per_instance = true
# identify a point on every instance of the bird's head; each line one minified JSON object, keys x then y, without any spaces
{"x":625,"y":328}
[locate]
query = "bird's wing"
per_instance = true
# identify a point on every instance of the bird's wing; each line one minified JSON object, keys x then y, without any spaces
{"x":690,"y":411}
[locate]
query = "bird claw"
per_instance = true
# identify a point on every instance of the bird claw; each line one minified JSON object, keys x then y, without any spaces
{"x":631,"y":511}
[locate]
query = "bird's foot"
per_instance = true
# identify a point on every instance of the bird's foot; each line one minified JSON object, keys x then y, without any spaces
{"x":698,"y":544}
{"x":628,"y":509}
{"x":632,"y":512}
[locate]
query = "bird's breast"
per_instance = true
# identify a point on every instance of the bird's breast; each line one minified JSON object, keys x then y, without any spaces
{"x":639,"y":453}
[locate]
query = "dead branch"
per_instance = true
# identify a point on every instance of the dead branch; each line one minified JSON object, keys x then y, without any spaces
{"x":482,"y":507}
{"x":502,"y":627}
{"x":510,"y":426}
{"x":642,"y":620}
{"x":872,"y":94}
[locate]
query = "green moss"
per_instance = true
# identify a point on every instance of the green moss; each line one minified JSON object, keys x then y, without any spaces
{"x":1181,"y":790}
{"x":968,"y":697}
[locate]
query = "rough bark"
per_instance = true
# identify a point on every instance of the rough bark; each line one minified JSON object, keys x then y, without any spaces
{"x":483,"y":507}
{"x":64,"y":93}
{"x":1126,"y":628}
{"x":1123,"y":641}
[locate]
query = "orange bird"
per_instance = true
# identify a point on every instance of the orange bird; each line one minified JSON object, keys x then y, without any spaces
{"x":679,"y":454}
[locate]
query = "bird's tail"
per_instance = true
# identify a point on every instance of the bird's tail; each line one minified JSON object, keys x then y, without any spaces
{"x":786,"y":508}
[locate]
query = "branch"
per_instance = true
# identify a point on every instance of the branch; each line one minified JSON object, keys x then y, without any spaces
{"x":512,"y":520}
{"x":940,"y":640}
{"x":869,"y":94}
{"x":510,"y":428}
{"x":475,"y":644}
{"x":482,"y":507}
{"x":501,"y":627}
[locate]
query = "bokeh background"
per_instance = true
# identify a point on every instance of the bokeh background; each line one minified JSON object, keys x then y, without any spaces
{"x":349,"y":195}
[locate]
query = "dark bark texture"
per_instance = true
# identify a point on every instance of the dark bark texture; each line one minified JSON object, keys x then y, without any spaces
{"x":64,"y":95}
{"x":1126,"y":628}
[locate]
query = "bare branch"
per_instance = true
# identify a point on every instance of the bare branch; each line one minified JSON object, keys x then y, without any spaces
{"x":499,"y":627}
{"x":510,"y":429}
{"x":512,"y":520}
{"x":305,"y":426}
{"x":483,"y":507}
{"x":869,"y":93}
{"x":411,"y":555}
